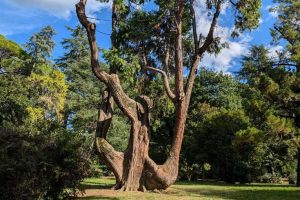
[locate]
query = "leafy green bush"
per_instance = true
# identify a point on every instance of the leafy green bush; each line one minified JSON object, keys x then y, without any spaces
{"x":42,"y":166}
{"x":269,"y":178}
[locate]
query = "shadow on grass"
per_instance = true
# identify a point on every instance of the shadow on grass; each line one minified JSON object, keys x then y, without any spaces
{"x":247,"y":193}
{"x":220,"y":183}
{"x":91,"y":185}
{"x":207,"y":190}
{"x":97,"y":197}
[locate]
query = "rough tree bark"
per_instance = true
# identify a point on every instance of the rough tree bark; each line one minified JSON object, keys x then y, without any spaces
{"x":134,"y":169}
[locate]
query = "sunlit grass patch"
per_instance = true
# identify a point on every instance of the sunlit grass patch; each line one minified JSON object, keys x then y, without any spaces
{"x":99,"y":188}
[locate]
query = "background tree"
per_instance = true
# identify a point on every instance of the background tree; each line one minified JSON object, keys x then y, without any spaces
{"x":269,"y":98}
{"x":14,"y":88}
{"x":80,"y":112}
{"x":220,"y":131}
{"x":287,"y":29}
{"x":47,"y":84}
{"x":39,"y":158}
{"x":40,"y":45}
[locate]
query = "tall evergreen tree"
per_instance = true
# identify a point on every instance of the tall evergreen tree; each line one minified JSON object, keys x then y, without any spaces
{"x":40,"y":45}
{"x":287,"y":30}
{"x":277,"y":78}
{"x":83,"y":95}
{"x":270,"y":100}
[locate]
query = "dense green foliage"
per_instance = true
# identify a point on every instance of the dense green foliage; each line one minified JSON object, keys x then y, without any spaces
{"x":42,"y":166}
{"x":9,"y":48}
{"x":40,"y":159}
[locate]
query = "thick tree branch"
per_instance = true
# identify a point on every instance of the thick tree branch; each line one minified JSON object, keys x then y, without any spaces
{"x":112,"y":158}
{"x":126,"y":104}
{"x":201,"y":51}
{"x":91,"y":28}
{"x":191,"y":78}
{"x":162,"y":175}
{"x":180,"y":5}
{"x":105,"y":114}
{"x":234,"y":4}
{"x":166,"y":60}
{"x":179,"y":87}
{"x":210,"y":36}
{"x":194,"y":24}
{"x":284,"y":64}
{"x":169,"y":92}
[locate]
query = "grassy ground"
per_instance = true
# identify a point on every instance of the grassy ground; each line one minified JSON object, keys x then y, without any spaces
{"x":100,"y":189}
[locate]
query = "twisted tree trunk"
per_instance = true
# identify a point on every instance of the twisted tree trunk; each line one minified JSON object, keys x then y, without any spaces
{"x":134,"y":169}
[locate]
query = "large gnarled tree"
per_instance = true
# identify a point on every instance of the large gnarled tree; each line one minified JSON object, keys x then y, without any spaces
{"x":133,"y":168}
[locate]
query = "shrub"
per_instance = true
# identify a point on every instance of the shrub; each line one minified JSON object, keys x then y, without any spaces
{"x":42,"y":166}
{"x":269,"y":178}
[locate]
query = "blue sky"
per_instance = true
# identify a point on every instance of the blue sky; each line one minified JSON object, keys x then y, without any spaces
{"x":21,"y":18}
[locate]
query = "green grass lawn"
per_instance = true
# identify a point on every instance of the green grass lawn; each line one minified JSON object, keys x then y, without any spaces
{"x":100,"y":189}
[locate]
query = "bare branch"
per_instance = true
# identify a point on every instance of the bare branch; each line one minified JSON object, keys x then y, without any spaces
{"x":191,"y":78}
{"x":210,"y":36}
{"x":235,"y":4}
{"x":194,"y":24}
{"x":199,"y":53}
{"x":125,"y":103}
{"x":170,"y":94}
{"x":91,"y":28}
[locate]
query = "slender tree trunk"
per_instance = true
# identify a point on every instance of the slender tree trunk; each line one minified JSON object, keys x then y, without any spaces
{"x":189,"y":177}
{"x":298,"y":168}
{"x":297,"y":121}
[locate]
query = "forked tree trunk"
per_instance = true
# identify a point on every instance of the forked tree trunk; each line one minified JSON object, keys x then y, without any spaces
{"x":137,"y":150}
{"x":135,"y":159}
{"x":134,"y":169}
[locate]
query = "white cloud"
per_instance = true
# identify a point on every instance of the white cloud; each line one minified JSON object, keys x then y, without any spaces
{"x":261,"y":21}
{"x":237,"y":48}
{"x":225,"y":59}
{"x":274,"y":50}
{"x":59,"y":8}
{"x":22,"y":16}
{"x":272,"y":12}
